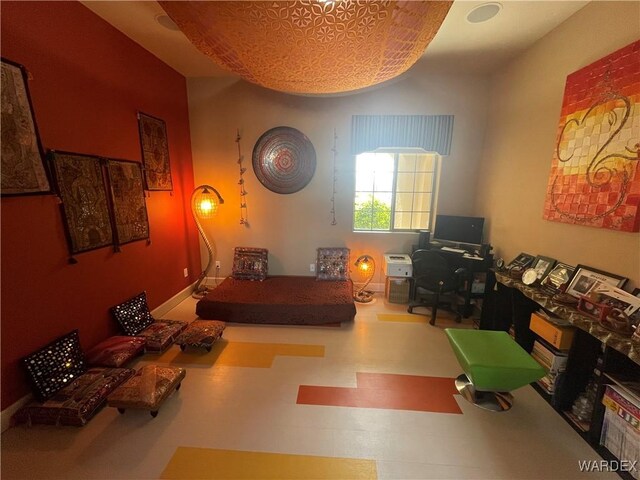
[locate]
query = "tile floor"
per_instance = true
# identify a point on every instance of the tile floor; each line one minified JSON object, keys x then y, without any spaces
{"x":231,"y":408}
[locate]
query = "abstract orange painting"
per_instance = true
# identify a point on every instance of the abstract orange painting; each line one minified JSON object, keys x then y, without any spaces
{"x":595,"y":177}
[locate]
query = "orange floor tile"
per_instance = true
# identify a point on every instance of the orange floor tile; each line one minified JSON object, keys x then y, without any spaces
{"x":390,"y":391}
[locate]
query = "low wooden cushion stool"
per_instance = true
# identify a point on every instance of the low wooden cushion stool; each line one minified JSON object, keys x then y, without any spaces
{"x":201,"y":333}
{"x":147,"y":389}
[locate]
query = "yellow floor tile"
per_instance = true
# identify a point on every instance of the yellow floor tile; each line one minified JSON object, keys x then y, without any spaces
{"x":400,"y":317}
{"x":240,"y":354}
{"x":205,"y":463}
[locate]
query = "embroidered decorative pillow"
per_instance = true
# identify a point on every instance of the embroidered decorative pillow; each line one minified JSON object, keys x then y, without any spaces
{"x":55,"y":366}
{"x":333,"y":264}
{"x":133,"y":315}
{"x":250,"y":263}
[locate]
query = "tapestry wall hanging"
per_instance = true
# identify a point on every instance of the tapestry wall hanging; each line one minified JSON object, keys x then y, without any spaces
{"x":23,"y":171}
{"x":155,"y":152}
{"x":595,"y":177}
{"x":127,"y":195}
{"x":284,"y":160}
{"x":85,"y":209}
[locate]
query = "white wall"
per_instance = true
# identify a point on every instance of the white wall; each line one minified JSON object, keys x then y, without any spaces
{"x":293,"y":226}
{"x":524,"y":111}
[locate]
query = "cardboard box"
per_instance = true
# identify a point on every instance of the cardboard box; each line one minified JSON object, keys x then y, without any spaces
{"x":559,"y":337}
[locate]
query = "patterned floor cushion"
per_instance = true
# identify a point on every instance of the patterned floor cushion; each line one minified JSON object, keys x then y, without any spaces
{"x":76,"y":403}
{"x":201,"y":333}
{"x":161,"y":334}
{"x":150,"y":386}
{"x":115,"y":351}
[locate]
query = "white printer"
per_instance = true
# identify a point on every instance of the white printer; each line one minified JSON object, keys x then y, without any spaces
{"x":397,"y":265}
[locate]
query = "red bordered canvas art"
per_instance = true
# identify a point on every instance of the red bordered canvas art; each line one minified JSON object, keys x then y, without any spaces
{"x":595,"y":177}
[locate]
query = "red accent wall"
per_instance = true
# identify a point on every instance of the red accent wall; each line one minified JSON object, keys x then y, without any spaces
{"x":88,"y":82}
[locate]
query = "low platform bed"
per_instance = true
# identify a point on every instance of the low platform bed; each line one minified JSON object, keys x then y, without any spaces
{"x":280,"y":300}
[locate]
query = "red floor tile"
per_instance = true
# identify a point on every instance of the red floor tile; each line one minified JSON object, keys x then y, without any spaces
{"x":383,"y":390}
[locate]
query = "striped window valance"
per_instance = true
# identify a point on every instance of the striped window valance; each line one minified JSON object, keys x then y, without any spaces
{"x":431,"y":132}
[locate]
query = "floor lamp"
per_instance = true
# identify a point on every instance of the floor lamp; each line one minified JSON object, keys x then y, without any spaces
{"x":367,"y":267}
{"x":204,"y":204}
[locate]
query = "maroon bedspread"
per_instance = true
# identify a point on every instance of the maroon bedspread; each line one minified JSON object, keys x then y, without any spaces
{"x":284,"y":300}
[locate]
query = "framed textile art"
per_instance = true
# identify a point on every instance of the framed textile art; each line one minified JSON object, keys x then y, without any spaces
{"x":127,"y":194}
{"x":23,"y":170}
{"x":595,"y":176}
{"x":284,"y":160}
{"x":250,"y":263}
{"x":333,"y":263}
{"x":155,"y":152}
{"x":80,"y":184}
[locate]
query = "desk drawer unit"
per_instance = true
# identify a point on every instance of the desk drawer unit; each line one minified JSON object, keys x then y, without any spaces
{"x":559,"y":337}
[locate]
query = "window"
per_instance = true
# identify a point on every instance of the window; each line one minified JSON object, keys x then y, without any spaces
{"x":394,"y":191}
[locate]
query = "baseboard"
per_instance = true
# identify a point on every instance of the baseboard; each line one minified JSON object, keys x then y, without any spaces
{"x":7,"y":413}
{"x":158,"y":312}
{"x":162,"y":309}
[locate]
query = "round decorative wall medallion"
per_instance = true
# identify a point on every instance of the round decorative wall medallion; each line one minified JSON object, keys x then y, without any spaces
{"x":284,"y":160}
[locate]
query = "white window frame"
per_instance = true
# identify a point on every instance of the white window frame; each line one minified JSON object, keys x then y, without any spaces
{"x":396,"y":152}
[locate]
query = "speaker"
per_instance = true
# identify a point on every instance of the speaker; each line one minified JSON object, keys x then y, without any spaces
{"x":423,"y":240}
{"x":484,"y":250}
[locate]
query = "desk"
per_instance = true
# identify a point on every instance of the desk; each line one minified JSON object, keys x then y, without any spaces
{"x":472,"y":266}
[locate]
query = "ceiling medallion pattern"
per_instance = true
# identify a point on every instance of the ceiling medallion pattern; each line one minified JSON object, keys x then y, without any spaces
{"x":311,"y":46}
{"x":284,"y":160}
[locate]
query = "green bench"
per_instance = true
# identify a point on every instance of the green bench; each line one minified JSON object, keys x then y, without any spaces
{"x":493,"y":364}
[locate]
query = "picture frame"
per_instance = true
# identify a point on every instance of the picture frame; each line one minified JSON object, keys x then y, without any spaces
{"x":24,"y":170}
{"x":616,"y":298}
{"x":522,"y":261}
{"x":585,"y":278}
{"x":85,"y":211}
{"x":130,"y":218}
{"x":542,"y":265}
{"x":155,"y":153}
{"x":557,"y":280}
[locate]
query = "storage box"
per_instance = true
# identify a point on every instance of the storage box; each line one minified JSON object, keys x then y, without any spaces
{"x":559,"y":337}
{"x":397,"y":265}
{"x":397,"y":290}
{"x":621,"y":426}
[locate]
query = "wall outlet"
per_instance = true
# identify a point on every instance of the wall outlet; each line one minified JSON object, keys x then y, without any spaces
{"x":185,"y":272}
{"x":217,"y":264}
{"x":312,"y":267}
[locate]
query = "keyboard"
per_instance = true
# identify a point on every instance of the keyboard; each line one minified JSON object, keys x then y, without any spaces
{"x":456,"y":250}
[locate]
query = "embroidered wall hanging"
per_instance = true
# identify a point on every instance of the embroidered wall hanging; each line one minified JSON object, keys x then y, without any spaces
{"x":84,"y":200}
{"x":595,"y":178}
{"x":155,"y":152}
{"x":23,"y":171}
{"x":127,"y":194}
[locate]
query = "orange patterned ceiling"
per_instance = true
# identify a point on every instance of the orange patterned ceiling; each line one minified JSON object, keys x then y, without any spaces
{"x":311,"y":47}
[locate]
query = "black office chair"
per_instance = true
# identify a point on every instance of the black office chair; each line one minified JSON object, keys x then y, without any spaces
{"x":434,"y":283}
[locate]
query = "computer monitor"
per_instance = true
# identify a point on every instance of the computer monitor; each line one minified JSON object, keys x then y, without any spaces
{"x":459,"y":229}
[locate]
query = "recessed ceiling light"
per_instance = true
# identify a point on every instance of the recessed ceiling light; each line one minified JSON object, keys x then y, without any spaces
{"x":166,"y":22}
{"x":484,"y":12}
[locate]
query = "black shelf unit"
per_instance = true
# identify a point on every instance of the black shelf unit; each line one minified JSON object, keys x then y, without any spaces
{"x":506,"y":307}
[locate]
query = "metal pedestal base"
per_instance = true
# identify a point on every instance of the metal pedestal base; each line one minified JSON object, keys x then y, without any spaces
{"x":493,"y":401}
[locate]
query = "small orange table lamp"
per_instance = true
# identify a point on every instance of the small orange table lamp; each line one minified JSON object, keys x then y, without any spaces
{"x":204,"y":204}
{"x":367,"y":267}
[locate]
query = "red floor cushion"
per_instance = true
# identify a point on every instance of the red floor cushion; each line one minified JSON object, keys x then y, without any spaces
{"x":115,"y":351}
{"x":135,"y":319}
{"x":76,"y":403}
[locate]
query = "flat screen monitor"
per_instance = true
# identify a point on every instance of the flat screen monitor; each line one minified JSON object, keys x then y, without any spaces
{"x":459,"y":229}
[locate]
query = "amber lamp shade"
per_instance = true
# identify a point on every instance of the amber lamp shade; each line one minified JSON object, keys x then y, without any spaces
{"x":204,"y":204}
{"x":367,"y":268}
